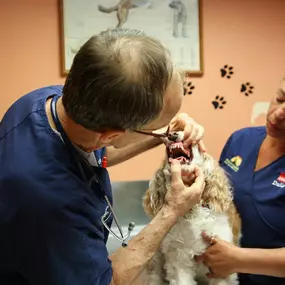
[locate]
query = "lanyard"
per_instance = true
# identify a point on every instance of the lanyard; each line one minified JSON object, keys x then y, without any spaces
{"x":78,"y":159}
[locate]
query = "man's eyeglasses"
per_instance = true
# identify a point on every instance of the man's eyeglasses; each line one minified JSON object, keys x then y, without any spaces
{"x":171,"y":136}
{"x":163,"y":135}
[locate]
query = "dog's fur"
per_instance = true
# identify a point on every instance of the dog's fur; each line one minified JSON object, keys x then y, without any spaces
{"x":216,"y":215}
{"x":179,"y":16}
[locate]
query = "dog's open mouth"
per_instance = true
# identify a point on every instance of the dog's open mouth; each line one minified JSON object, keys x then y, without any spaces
{"x":179,"y":152}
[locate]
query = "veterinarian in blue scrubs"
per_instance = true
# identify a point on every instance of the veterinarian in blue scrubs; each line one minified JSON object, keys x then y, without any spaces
{"x":55,"y":191}
{"x":255,"y":160}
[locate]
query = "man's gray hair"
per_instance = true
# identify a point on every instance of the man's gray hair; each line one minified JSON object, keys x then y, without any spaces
{"x":117,"y":81}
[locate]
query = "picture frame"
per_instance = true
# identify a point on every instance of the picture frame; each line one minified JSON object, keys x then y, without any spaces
{"x":176,"y":23}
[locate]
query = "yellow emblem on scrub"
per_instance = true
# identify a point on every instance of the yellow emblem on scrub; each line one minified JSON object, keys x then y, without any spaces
{"x":237,"y":160}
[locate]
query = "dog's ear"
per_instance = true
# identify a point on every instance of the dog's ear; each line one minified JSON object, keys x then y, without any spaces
{"x":153,"y":199}
{"x":217,"y":192}
{"x":146,"y":203}
{"x":208,"y":165}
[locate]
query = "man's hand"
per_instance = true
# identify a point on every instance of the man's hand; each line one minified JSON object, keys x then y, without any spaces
{"x":193,"y":132}
{"x":221,"y":257}
{"x":181,"y":198}
{"x":130,"y":261}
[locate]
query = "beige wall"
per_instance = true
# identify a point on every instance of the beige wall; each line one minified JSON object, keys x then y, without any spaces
{"x":248,"y":35}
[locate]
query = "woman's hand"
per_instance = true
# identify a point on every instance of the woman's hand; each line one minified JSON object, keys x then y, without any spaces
{"x":193,"y":132}
{"x":181,"y":198}
{"x":221,"y":257}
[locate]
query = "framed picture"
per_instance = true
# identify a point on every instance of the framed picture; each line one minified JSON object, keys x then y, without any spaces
{"x":176,"y":23}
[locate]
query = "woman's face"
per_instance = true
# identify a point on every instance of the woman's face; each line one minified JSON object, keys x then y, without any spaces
{"x":275,"y":124}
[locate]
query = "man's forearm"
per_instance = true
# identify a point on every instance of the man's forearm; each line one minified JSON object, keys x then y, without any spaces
{"x":130,"y":261}
{"x":262,"y":261}
{"x":116,"y":156}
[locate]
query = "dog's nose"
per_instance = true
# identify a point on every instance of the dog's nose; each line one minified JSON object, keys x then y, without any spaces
{"x":173,"y":136}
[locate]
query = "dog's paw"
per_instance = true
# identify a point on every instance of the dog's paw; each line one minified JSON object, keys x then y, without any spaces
{"x":227,"y":71}
{"x":188,"y":88}
{"x":246,"y":88}
{"x":219,"y":102}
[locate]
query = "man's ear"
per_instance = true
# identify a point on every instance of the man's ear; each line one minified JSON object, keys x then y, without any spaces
{"x":107,"y":137}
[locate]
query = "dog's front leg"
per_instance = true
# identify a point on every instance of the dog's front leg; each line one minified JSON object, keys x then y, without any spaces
{"x":155,"y":272}
{"x":230,"y":280}
{"x":177,"y":272}
{"x":180,"y":276}
{"x":184,"y":277}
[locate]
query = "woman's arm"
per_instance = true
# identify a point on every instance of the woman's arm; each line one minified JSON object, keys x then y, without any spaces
{"x":262,"y":261}
{"x":224,"y":258}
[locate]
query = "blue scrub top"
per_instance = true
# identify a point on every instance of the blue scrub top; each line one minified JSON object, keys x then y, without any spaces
{"x":259,"y":196}
{"x":50,"y":219}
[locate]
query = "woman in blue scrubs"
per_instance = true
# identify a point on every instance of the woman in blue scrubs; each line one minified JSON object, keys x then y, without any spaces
{"x":55,"y":193}
{"x":255,"y":160}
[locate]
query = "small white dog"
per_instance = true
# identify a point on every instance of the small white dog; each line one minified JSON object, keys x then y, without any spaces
{"x":174,"y":263}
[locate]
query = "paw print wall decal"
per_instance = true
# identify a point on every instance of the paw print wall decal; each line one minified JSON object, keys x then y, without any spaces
{"x":246,"y":88}
{"x":227,"y":71}
{"x":219,"y":102}
{"x":188,"y":88}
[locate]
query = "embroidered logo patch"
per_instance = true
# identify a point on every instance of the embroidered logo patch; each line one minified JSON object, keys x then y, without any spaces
{"x":280,"y":181}
{"x":234,"y":163}
{"x":281,"y":178}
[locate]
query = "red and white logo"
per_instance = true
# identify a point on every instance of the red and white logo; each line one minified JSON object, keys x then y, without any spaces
{"x":280,"y":181}
{"x":281,"y":178}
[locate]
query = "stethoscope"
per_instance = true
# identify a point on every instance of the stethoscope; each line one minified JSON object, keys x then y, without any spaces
{"x":78,"y":158}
